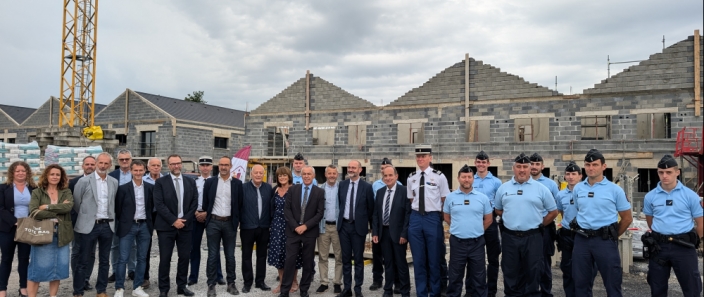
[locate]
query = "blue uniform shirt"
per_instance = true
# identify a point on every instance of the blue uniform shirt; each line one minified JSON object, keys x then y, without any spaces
{"x":551,"y":185}
{"x":378,"y":184}
{"x":297,"y":179}
{"x":487,"y":186}
{"x":565,"y":204}
{"x":523,"y":204}
{"x":598,"y":205}
{"x":672,"y":212}
{"x":467,"y":213}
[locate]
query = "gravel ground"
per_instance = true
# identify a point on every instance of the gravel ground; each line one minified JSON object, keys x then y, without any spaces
{"x":634,"y":284}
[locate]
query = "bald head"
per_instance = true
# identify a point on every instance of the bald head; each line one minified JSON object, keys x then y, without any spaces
{"x":154,"y":167}
{"x":257,"y":174}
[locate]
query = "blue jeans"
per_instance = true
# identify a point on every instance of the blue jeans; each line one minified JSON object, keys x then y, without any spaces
{"x":115,"y":254}
{"x":139,"y":233}
{"x":101,"y":235}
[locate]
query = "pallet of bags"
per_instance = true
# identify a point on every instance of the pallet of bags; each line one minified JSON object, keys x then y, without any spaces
{"x":69,"y":157}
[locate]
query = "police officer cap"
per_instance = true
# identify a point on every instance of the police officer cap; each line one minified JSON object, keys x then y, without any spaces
{"x":522,"y":158}
{"x":298,"y":157}
{"x":536,"y":158}
{"x":205,"y":160}
{"x":482,"y":156}
{"x":386,"y":161}
{"x":465,"y":169}
{"x":572,"y":167}
{"x":593,"y":155}
{"x":667,"y":161}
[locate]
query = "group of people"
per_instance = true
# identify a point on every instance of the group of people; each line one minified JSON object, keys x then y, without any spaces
{"x":117,"y":212}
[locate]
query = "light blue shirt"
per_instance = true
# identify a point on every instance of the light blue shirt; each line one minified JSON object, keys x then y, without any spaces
{"x":487,"y":186}
{"x":378,"y":184}
{"x":672,"y":212}
{"x":303,"y":192}
{"x":297,"y":179}
{"x":551,"y":185}
{"x":125,"y":177}
{"x":332,"y":207}
{"x":565,"y":204}
{"x":467,"y":213}
{"x":598,"y":205}
{"x":523,"y":204}
{"x":21,"y":201}
{"x":148,"y":178}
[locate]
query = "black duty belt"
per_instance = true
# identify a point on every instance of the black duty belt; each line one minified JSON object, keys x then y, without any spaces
{"x":219,"y":218}
{"x":520,"y":233}
{"x":139,"y":221}
{"x":330,"y":223}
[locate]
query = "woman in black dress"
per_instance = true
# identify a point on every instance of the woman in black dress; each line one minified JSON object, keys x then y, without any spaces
{"x":277,"y":243}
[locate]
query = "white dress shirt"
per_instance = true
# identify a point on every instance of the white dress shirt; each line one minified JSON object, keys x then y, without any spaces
{"x":140,"y":212}
{"x":180,"y":189}
{"x":200,"y":183}
{"x":222,"y":206}
{"x":351,"y":200}
{"x":101,"y":197}
{"x":391,"y":200}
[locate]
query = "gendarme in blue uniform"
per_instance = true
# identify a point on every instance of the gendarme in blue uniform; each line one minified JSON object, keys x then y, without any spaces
{"x":565,"y":204}
{"x":523,"y":204}
{"x":672,"y":212}
{"x":598,"y":205}
{"x":467,"y":213}
{"x":487,"y":185}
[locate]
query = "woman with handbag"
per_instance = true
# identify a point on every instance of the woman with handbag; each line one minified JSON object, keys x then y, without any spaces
{"x":53,"y":200}
{"x":15,"y":194}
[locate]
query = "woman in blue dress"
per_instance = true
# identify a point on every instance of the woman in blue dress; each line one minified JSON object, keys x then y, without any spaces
{"x":277,"y":243}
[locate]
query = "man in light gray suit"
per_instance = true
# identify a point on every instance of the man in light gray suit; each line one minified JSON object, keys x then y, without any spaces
{"x":94,"y":201}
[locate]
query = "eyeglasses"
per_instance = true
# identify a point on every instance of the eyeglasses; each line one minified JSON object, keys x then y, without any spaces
{"x":174,"y":164}
{"x":125,"y":160}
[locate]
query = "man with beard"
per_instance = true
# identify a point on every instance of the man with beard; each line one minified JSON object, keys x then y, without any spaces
{"x":536,"y":173}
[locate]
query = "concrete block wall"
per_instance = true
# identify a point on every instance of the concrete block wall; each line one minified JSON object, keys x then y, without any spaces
{"x":291,"y":99}
{"x":40,"y":118}
{"x":671,"y":69}
{"x":138,"y":110}
{"x":327,"y":96}
{"x":6,"y":122}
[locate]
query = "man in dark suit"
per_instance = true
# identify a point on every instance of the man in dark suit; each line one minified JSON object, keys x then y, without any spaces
{"x":356,"y":199}
{"x":133,"y":216}
{"x":255,"y":222}
{"x":176,"y":200}
{"x":390,"y":230}
{"x":222,"y":202}
{"x":123,"y":175}
{"x":302,"y":213}
{"x":88,"y":169}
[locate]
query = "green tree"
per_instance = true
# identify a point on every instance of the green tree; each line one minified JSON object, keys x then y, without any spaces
{"x":197,"y":97}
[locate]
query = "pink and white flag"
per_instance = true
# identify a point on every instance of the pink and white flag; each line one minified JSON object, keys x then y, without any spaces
{"x":239,"y":163}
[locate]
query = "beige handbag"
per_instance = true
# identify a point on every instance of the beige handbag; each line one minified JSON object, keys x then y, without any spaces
{"x":34,"y":232}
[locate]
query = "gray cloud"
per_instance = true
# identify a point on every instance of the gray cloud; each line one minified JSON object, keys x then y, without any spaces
{"x":247,"y":51}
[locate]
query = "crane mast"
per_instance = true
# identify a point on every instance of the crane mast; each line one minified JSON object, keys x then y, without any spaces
{"x":78,"y":54}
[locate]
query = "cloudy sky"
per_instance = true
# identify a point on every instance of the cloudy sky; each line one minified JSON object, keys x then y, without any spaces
{"x":246,"y":51}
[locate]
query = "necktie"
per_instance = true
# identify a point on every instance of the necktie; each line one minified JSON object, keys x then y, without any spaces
{"x":387,"y":208}
{"x":303,"y":206}
{"x":421,"y":194}
{"x":350,"y":213}
{"x":259,"y":203}
{"x":178,"y":195}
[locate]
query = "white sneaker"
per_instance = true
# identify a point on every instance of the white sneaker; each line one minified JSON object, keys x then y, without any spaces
{"x":139,"y":292}
{"x":119,"y":292}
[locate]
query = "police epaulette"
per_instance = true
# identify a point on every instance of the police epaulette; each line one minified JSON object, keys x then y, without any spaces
{"x":437,"y":172}
{"x":412,"y":173}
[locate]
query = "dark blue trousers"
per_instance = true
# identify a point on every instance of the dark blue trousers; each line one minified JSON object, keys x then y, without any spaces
{"x":493,"y":251}
{"x":683,"y":261}
{"x":548,"y":252}
{"x":566,"y":267}
{"x":101,"y":235}
{"x":521,"y":264}
{"x":198,"y":229}
{"x":603,"y":252}
{"x":352,"y":245}
{"x":467,"y":254}
{"x":426,"y":236}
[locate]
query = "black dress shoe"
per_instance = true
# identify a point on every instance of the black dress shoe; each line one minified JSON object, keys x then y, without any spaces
{"x":304,"y":294}
{"x":345,"y":293}
{"x":87,"y":286}
{"x":111,"y":278}
{"x":130,"y":275}
{"x":185,"y":292}
{"x":283,"y":294}
{"x":359,"y":294}
{"x":232,"y":289}
{"x":337,"y":289}
{"x":221,"y":282}
{"x":164,"y":294}
{"x":388,"y":295}
{"x":211,"y":291}
{"x":20,"y":292}
{"x":375,"y":286}
{"x":263,"y":287}
{"x":246,"y":289}
{"x":190,"y":283}
{"x":321,"y":289}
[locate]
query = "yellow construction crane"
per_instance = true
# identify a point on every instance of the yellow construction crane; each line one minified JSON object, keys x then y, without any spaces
{"x":78,"y":54}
